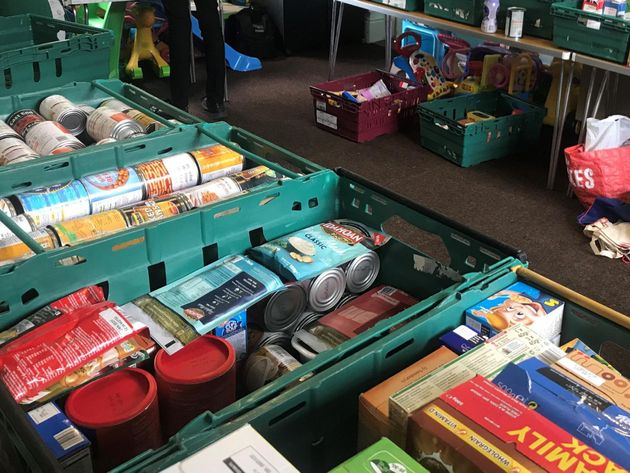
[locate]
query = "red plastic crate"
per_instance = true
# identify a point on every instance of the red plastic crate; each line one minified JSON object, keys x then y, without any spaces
{"x":365,"y":121}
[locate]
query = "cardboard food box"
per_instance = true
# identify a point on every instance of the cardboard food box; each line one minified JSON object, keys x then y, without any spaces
{"x":518,"y":304}
{"x":462,"y":339}
{"x":569,"y":404}
{"x":577,"y":344}
{"x":478,"y":427}
{"x":382,"y":457}
{"x":374,"y":420}
{"x":515,"y":344}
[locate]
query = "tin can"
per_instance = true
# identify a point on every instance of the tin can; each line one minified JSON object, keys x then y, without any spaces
{"x":87,"y":109}
{"x":48,"y":138}
{"x":155,"y":209}
{"x":304,"y":320}
{"x":258,"y":338}
{"x":119,"y":413}
{"x":217,"y":161}
{"x":14,"y":150}
{"x":7,"y":207}
{"x":346,"y":299}
{"x":106,"y":141}
{"x":213,"y":191}
{"x":266,"y":365}
{"x":107,"y":123}
{"x":115,"y":104}
{"x":361,"y":272}
{"x":325,"y":291}
{"x":514,"y":19}
{"x":148,"y":124}
{"x":280,"y":310}
{"x":200,"y":377}
{"x":54,"y":204}
{"x":13,"y":248}
{"x":61,"y":110}
{"x":113,"y":189}
{"x":168,"y":175}
{"x":308,"y":345}
{"x":22,"y":221}
{"x":7,"y":132}
{"x":23,"y":120}
{"x":90,"y":227}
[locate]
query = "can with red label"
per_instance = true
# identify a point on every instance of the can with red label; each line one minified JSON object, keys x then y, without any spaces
{"x":107,"y":123}
{"x":113,"y":189}
{"x":54,"y":204}
{"x":153,"y":210}
{"x":119,"y":413}
{"x":90,"y":227}
{"x":61,"y":110}
{"x":12,"y":248}
{"x":14,"y":150}
{"x":23,"y":120}
{"x":7,"y":132}
{"x":199,"y":377}
{"x":149,"y":124}
{"x":48,"y":138}
{"x":165,"y":176}
{"x":217,"y":161}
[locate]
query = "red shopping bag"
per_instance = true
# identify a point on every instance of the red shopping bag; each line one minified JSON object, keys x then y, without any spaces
{"x":600,"y":173}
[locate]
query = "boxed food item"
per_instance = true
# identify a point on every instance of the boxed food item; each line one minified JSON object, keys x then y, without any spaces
{"x":569,"y":404}
{"x":243,"y":451}
{"x":374,"y":420}
{"x":577,"y":344}
{"x":519,"y":304}
{"x":477,"y":427}
{"x":462,"y":339}
{"x":382,"y":457}
{"x":517,"y":343}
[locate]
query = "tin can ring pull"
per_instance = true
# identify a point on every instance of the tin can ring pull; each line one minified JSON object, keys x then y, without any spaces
{"x":408,"y":49}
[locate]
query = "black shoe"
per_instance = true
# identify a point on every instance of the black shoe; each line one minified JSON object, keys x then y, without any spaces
{"x":216,"y":111}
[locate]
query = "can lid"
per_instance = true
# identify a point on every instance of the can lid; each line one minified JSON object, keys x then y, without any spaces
{"x":326,"y":290}
{"x":112,"y":400}
{"x":362,"y":272}
{"x":202,"y":360}
{"x":284,"y":307}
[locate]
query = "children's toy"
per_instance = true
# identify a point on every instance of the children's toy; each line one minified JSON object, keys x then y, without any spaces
{"x":454,"y":63}
{"x":516,"y":72}
{"x":143,"y":46}
{"x":478,"y":116}
{"x":430,"y":39}
{"x":489,"y":23}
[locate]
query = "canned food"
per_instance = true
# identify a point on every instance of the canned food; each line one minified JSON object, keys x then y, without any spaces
{"x":514,"y":19}
{"x":22,"y":221}
{"x":266,"y":365}
{"x":168,"y":175}
{"x":48,"y":138}
{"x":200,"y":377}
{"x":217,"y":161}
{"x":87,"y":109}
{"x":113,"y":189}
{"x":23,"y":120}
{"x":120,"y":414}
{"x":107,"y":123}
{"x":361,"y":272}
{"x":90,"y":227}
{"x":325,"y":291}
{"x":54,"y":204}
{"x":13,"y":248}
{"x":7,"y":132}
{"x":308,"y":345}
{"x":115,"y":104}
{"x":280,"y":310}
{"x":153,"y":210}
{"x":258,"y":338}
{"x":105,"y":141}
{"x":305,"y":319}
{"x":346,"y":299}
{"x":213,"y":191}
{"x":14,"y":150}
{"x":148,"y":124}
{"x":61,"y":110}
{"x":7,"y":207}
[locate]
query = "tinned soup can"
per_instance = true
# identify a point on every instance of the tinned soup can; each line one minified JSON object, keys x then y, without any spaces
{"x":54,"y":204}
{"x":59,"y":109}
{"x":168,"y":175}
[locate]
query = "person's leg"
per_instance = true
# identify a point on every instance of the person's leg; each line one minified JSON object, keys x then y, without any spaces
{"x":210,"y":24}
{"x":179,"y":28}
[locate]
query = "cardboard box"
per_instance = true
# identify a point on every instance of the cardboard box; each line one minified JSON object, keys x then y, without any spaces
{"x":516,"y":343}
{"x":577,"y":344}
{"x":462,"y":339}
{"x":585,"y":415}
{"x":478,"y":427}
{"x":374,"y":420}
{"x":517,"y":304}
{"x":242,"y":451}
{"x":382,"y":457}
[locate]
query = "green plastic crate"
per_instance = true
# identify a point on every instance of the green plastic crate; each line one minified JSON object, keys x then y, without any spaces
{"x":142,"y":259}
{"x":538,"y":19}
{"x":315,"y":424}
{"x":610,"y":41}
{"x":469,"y":12}
{"x":482,"y":141}
{"x":40,"y":53}
{"x":407,"y":5}
{"x":54,"y":169}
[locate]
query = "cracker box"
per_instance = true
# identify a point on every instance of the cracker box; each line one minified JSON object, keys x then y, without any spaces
{"x":588,"y":417}
{"x":382,"y":457}
{"x":374,"y":420}
{"x":519,"y":304}
{"x":478,"y":427}
{"x":462,"y":339}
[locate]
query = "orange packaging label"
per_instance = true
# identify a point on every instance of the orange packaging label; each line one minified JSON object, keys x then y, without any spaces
{"x":217,"y":161}
{"x":151,"y":211}
{"x":156,"y":178}
{"x":13,"y":248}
{"x":119,"y":117}
{"x":89,"y":228}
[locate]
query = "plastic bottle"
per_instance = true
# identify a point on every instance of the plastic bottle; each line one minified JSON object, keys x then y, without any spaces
{"x":489,"y":23}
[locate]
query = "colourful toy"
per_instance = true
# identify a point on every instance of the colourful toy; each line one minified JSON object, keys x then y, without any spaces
{"x":516,"y":72}
{"x":455,"y":60}
{"x":143,"y":46}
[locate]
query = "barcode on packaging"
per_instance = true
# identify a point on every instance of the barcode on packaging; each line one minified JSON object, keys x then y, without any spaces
{"x":68,"y":438}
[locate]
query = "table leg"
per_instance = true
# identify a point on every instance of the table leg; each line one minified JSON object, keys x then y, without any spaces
{"x":551,"y":179}
{"x":601,"y":93}
{"x":388,"y":42}
{"x":193,"y":70}
{"x":552,"y":156}
{"x":587,"y":103}
{"x":335,"y":32}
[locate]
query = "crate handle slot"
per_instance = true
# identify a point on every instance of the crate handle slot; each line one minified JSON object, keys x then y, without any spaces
{"x":29,"y":295}
{"x":440,"y":124}
{"x":166,"y":150}
{"x":225,"y":213}
{"x":297,"y":206}
{"x":268,"y":199}
{"x":8,"y":79}
{"x":22,"y":185}
{"x":55,"y":166}
{"x":399,"y":348}
{"x":298,"y":407}
{"x":133,"y":149}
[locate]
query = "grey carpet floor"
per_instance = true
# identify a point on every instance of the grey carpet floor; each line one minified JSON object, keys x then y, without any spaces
{"x":505,"y":199}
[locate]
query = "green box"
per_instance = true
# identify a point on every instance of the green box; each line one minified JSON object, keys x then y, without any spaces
{"x":610,"y":41}
{"x":469,"y":12}
{"x":407,"y":5}
{"x":38,"y":53}
{"x":466,"y":146}
{"x":314,"y":425}
{"x":538,"y":19}
{"x":382,"y":457}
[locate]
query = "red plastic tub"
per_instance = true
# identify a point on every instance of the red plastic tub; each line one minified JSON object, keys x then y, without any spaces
{"x":200,"y":377}
{"x":365,"y":121}
{"x":119,"y":413}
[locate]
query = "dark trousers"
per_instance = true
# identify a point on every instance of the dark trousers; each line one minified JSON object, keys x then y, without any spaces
{"x":179,"y":36}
